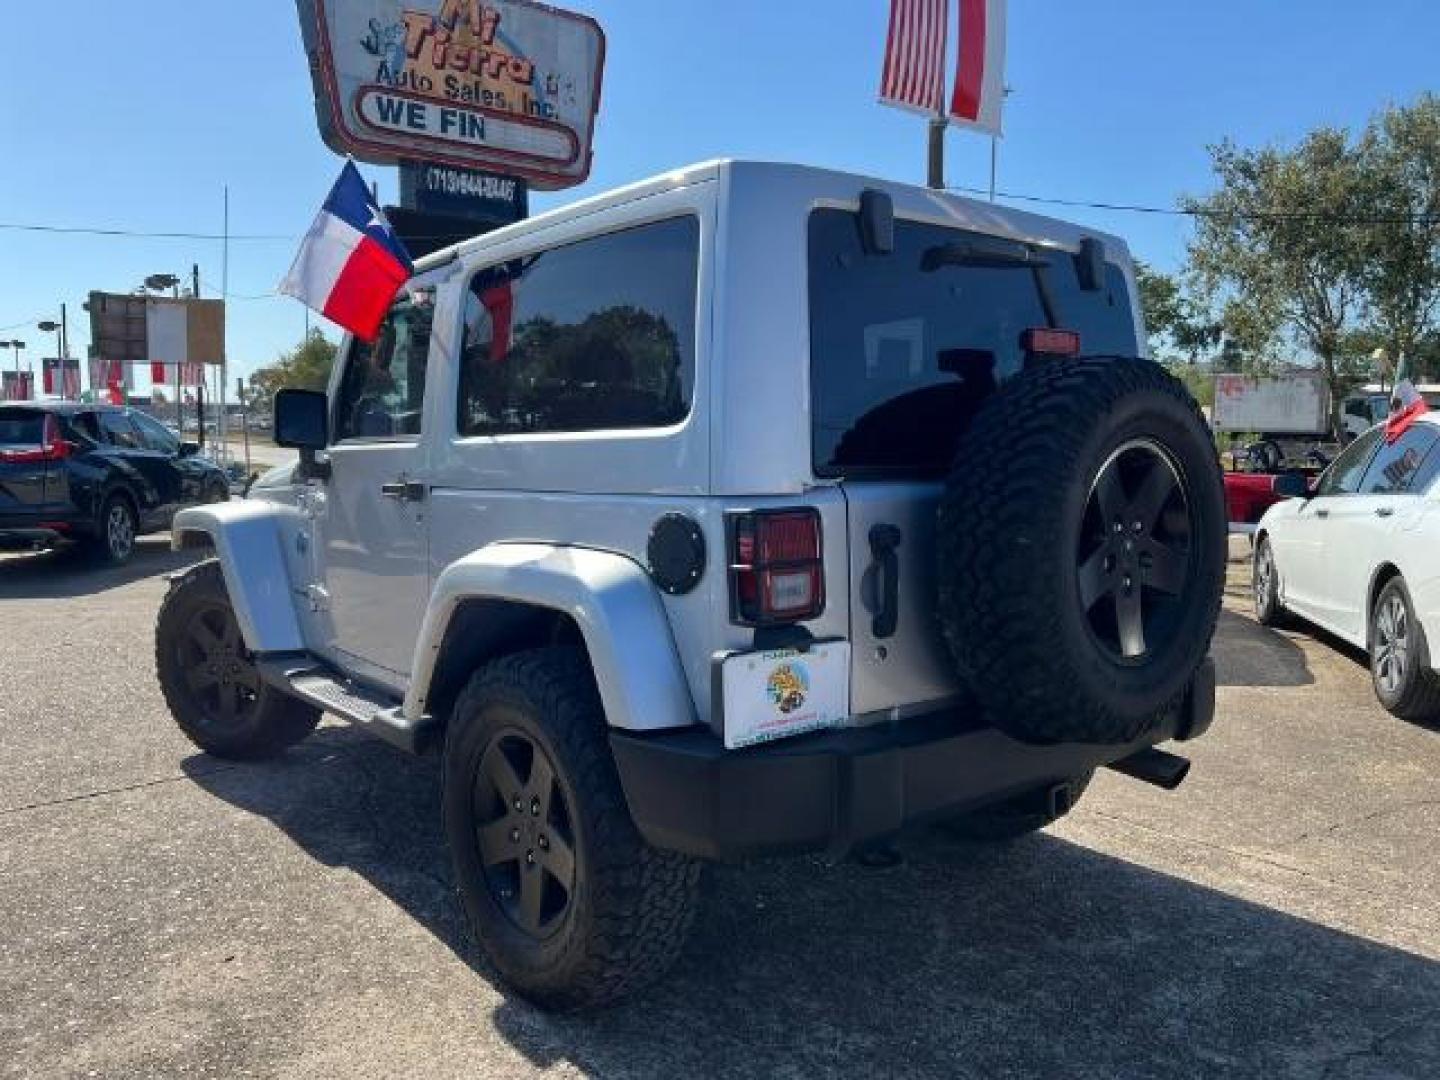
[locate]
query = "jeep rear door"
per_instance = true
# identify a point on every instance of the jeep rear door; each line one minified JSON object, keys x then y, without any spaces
{"x":905,"y":348}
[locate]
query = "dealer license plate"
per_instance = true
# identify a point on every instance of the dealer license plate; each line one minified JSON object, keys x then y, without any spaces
{"x":783,"y":692}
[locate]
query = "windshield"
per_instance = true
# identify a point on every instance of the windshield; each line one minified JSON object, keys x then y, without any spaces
{"x":902,"y":355}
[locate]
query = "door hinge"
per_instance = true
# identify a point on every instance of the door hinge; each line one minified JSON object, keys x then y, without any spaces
{"x":318,"y":597}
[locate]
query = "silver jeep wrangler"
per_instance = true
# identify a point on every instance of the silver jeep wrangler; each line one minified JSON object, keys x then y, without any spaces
{"x":752,"y":509}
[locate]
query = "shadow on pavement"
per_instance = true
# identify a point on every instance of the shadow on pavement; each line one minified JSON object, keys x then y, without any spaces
{"x":1248,"y":654}
{"x":1041,"y":958}
{"x":71,"y":571}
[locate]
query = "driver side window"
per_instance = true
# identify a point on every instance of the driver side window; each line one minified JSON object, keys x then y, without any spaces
{"x":382,"y":393}
{"x":1343,"y":476}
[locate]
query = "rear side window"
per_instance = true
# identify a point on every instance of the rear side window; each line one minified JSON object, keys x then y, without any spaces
{"x":21,"y":427}
{"x":382,"y":394}
{"x":901,"y":357}
{"x":1395,"y":465}
{"x":599,"y":334}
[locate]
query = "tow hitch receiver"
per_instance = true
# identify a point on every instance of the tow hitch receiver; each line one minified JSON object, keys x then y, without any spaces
{"x":1158,"y":767}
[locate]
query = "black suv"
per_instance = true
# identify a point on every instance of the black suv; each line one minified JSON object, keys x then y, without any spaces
{"x":96,"y":474}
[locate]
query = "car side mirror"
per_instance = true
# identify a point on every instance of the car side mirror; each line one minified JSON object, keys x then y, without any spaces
{"x":1291,"y":485}
{"x":189,"y":449}
{"x":302,"y":422}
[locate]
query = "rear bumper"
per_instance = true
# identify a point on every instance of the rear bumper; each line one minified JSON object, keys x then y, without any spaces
{"x":833,"y":791}
{"x":31,"y":529}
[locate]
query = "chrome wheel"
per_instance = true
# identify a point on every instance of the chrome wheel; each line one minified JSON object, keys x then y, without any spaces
{"x":1133,"y":559}
{"x":525,"y":837}
{"x":1264,"y":578}
{"x":1392,"y":644}
{"x":119,"y":532}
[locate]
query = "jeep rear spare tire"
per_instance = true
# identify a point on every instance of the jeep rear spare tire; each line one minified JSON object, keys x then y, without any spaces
{"x":1081,"y":543}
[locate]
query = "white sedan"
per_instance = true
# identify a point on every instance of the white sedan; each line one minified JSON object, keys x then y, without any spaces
{"x":1360,"y":556}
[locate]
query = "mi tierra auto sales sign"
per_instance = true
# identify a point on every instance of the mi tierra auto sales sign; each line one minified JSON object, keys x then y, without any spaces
{"x":502,"y":85}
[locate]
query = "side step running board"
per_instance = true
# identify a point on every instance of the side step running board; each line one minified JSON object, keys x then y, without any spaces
{"x":303,"y":678}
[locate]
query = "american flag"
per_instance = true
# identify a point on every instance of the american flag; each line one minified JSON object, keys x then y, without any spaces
{"x":914,"y":75}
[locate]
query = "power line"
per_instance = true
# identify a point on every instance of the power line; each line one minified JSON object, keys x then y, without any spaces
{"x":91,"y":230}
{"x":1175,"y":211}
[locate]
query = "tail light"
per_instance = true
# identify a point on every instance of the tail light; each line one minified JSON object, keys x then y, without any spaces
{"x":776,"y":571}
{"x":1050,"y":342}
{"x":54,"y":448}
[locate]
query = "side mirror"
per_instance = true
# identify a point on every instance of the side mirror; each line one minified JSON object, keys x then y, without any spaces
{"x":1291,"y":485}
{"x":302,"y":420}
{"x":189,"y":449}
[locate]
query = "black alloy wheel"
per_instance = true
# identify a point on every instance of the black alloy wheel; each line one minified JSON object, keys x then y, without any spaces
{"x":1133,"y":556}
{"x":220,"y":674}
{"x":526,"y":840}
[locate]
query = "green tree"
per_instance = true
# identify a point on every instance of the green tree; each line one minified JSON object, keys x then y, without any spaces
{"x":1279,"y":247}
{"x":1174,"y":321}
{"x":1400,"y":270}
{"x":305,"y":367}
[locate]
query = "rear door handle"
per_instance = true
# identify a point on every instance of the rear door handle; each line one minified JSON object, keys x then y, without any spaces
{"x":1384,"y":511}
{"x":1322,"y":513}
{"x":404,"y":490}
{"x":884,"y":539}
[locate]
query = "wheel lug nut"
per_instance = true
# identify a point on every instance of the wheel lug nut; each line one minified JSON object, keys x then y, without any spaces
{"x":535,"y":807}
{"x":1138,"y":527}
{"x":544,"y":843}
{"x":529,"y":858}
{"x":514,"y":836}
{"x":519,"y":807}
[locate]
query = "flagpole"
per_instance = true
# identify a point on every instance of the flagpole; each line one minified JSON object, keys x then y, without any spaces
{"x":936,"y":167}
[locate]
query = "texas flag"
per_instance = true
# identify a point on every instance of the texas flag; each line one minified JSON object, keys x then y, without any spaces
{"x":351,"y":264}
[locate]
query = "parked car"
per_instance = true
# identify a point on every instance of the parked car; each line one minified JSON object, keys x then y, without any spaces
{"x":749,"y":510}
{"x":94,"y":474}
{"x":1359,"y":555}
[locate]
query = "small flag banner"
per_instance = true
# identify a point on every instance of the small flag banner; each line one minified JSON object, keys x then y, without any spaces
{"x":351,"y":264}
{"x":17,"y":386}
{"x":913,"y":76}
{"x":61,"y":377}
{"x":914,"y":73}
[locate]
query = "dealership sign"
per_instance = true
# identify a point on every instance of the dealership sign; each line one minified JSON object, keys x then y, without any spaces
{"x":501,"y":85}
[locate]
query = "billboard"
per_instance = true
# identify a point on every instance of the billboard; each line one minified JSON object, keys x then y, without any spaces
{"x":507,"y":86}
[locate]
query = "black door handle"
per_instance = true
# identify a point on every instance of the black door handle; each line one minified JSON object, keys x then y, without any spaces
{"x":1384,"y":511}
{"x":404,"y":490}
{"x":884,"y":539}
{"x":1322,"y":513}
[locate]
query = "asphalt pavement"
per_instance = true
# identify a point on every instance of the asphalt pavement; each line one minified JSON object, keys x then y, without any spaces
{"x":163,"y":913}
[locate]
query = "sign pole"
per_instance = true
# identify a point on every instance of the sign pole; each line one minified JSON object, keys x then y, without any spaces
{"x":221,"y":427}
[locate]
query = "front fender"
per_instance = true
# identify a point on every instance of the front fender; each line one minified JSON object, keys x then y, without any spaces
{"x":248,"y":536}
{"x":611,"y":599}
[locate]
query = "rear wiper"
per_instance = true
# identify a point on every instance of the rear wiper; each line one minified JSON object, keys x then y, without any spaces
{"x":994,"y":256}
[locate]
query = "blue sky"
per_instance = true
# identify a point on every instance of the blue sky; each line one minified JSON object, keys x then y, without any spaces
{"x":136,"y":115}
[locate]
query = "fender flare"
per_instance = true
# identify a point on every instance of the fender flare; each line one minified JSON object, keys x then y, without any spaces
{"x":249,"y":533}
{"x":611,"y":599}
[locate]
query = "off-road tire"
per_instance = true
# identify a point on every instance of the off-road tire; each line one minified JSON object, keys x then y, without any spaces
{"x":1009,"y":529}
{"x":269,"y":720}
{"x":113,"y":546}
{"x":1416,"y":694}
{"x":629,"y":913}
{"x":1016,"y":817}
{"x":1265,"y":587}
